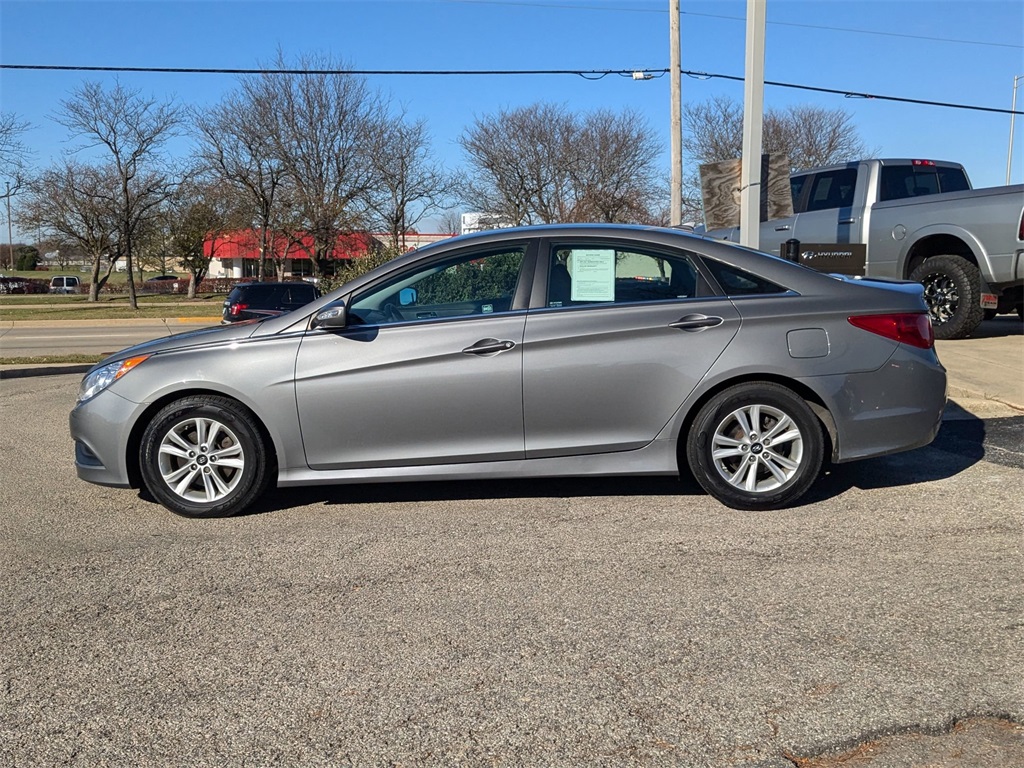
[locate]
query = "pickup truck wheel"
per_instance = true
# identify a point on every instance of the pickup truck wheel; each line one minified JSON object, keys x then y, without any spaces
{"x":952,"y":288}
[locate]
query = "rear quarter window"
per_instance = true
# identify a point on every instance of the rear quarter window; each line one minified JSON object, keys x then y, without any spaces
{"x":738,"y":282}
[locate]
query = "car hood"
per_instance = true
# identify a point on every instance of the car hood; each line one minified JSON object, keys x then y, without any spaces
{"x":218,"y":334}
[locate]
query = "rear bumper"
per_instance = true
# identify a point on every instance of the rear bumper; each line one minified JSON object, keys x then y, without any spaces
{"x":896,"y":408}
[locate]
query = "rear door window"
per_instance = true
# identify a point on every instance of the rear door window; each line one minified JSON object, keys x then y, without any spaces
{"x":600,"y":273}
{"x":832,"y":189}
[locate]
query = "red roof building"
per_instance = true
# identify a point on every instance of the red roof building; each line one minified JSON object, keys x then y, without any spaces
{"x":236,"y":254}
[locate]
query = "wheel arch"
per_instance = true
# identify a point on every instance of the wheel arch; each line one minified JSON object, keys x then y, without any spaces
{"x":809,"y":396}
{"x":134,"y":443}
{"x":940,"y":244}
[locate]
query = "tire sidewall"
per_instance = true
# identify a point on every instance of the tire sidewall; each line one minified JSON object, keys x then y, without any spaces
{"x":699,"y":445}
{"x":218,"y":409}
{"x":967,"y":278}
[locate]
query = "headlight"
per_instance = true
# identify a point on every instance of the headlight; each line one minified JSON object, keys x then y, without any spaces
{"x":101,"y":378}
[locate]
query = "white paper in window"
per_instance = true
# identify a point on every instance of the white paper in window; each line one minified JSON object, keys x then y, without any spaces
{"x":593,"y":275}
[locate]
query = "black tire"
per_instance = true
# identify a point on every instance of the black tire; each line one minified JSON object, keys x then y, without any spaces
{"x":204,"y":456}
{"x":952,"y":288}
{"x":760,"y":474}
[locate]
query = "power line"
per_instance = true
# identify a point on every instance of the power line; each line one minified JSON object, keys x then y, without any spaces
{"x":591,"y":74}
{"x":563,"y":6}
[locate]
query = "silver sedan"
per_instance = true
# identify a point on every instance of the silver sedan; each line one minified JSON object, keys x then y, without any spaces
{"x":532,"y":352}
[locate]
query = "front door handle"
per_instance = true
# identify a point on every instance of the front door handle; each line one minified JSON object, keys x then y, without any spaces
{"x":696,"y":322}
{"x":783,"y":228}
{"x":489,"y":347}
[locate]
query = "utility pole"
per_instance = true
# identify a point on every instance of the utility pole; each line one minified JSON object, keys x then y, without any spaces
{"x":677,"y":127}
{"x":10,"y":236}
{"x":1013,"y":114}
{"x":753,"y":116}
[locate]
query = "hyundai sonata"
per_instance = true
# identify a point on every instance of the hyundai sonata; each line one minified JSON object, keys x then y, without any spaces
{"x":532,"y":352}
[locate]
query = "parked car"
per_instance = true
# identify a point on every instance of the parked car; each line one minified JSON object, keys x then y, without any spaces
{"x":65,"y":284}
{"x":12,"y":284}
{"x":251,"y":301}
{"x":165,"y":283}
{"x":532,"y":352}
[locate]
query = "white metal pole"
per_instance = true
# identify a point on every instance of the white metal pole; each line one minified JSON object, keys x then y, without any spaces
{"x":677,"y":127}
{"x":1013,"y":109}
{"x":753,"y":114}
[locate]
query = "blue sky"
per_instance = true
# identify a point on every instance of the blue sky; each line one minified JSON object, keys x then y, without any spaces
{"x":961,"y":51}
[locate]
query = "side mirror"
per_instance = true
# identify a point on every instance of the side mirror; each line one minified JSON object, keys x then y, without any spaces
{"x":332,"y":318}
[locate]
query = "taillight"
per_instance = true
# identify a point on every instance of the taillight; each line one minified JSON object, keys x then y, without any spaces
{"x":914,"y":328}
{"x":236,"y":309}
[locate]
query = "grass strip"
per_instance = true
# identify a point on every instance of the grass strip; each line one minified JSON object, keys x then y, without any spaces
{"x":28,"y":362}
{"x":109,"y":312}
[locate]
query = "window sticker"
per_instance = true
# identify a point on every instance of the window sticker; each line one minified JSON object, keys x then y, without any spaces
{"x":593,"y":275}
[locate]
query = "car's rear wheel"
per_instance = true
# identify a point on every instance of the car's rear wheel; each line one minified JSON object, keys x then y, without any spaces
{"x":204,"y":456}
{"x":756,"y":446}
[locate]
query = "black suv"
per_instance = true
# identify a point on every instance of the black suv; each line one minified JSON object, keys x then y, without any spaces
{"x":251,"y":301}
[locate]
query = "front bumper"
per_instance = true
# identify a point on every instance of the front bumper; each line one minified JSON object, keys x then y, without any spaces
{"x":101,"y":428}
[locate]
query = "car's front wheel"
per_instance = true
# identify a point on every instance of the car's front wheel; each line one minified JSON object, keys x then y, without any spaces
{"x":204,"y":456}
{"x":756,"y":446}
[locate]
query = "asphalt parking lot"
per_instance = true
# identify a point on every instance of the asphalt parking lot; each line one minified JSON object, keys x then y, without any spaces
{"x":620,"y":622}
{"x":558,"y":623}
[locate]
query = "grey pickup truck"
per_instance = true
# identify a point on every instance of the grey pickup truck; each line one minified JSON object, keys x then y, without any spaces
{"x":914,"y":220}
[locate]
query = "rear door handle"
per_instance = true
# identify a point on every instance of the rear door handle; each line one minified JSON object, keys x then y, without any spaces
{"x":696,"y":322}
{"x":783,"y":228}
{"x":489,"y":347}
{"x":847,"y":221}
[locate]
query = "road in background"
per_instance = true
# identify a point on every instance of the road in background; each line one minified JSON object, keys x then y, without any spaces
{"x":87,"y":337}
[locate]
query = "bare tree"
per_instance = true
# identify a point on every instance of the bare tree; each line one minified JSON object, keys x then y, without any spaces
{"x":132,"y":131}
{"x":13,"y":152}
{"x":518,"y":166}
{"x":813,"y":136}
{"x":616,"y":172}
{"x":13,"y":158}
{"x":411,"y":185}
{"x":195,"y":218}
{"x":809,"y":135}
{"x":236,"y":144}
{"x":543,"y":164}
{"x":451,"y":222}
{"x":70,"y":203}
{"x":325,"y":127}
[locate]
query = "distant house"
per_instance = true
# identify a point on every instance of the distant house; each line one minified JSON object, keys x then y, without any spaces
{"x":236,"y":254}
